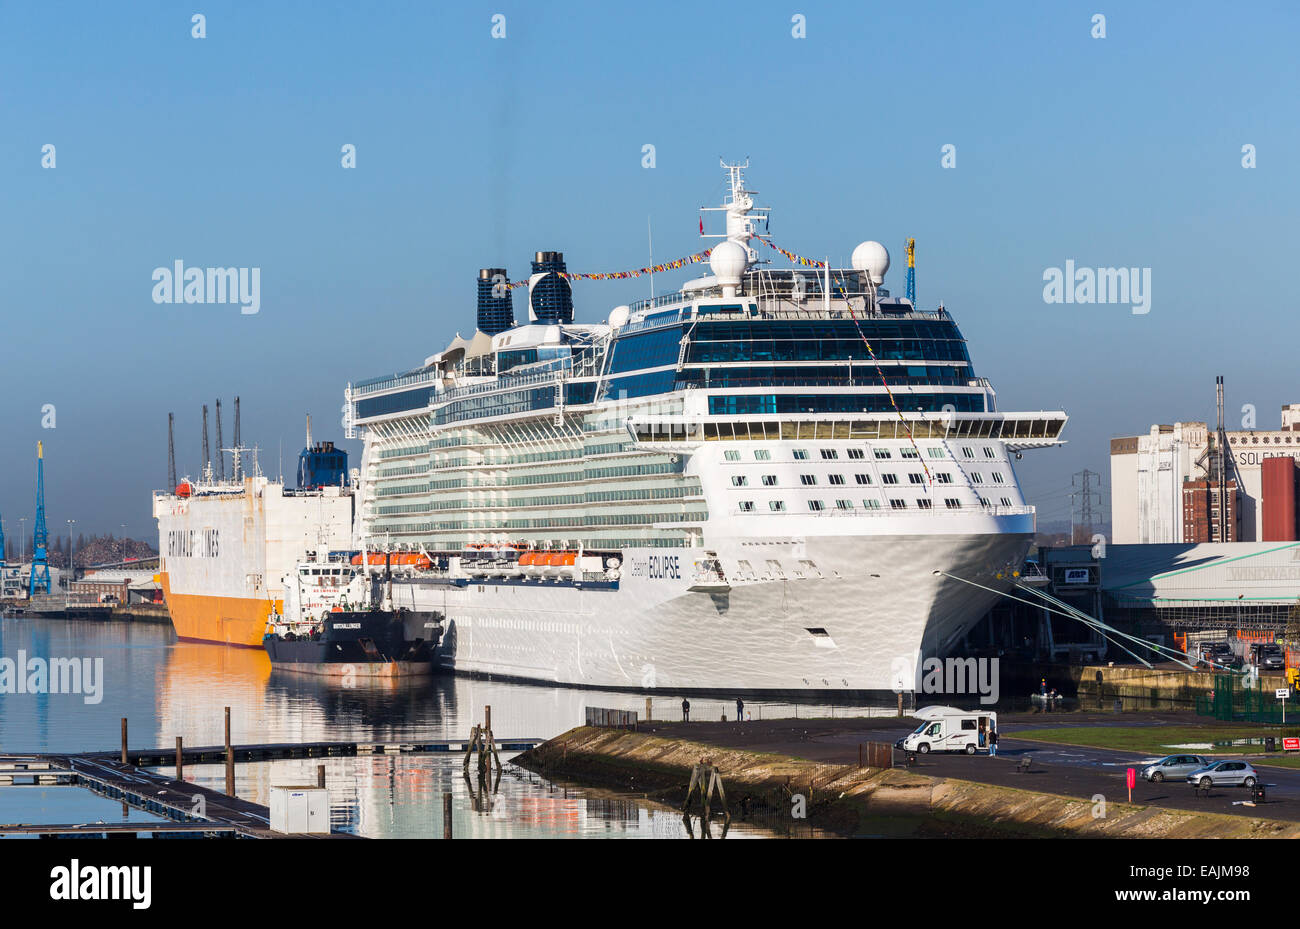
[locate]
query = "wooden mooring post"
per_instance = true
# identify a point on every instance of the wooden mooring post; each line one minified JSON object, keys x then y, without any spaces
{"x":230,"y":759}
{"x":123,"y":740}
{"x":706,"y":777}
{"x":180,"y":760}
{"x":484,"y":743}
{"x":446,"y":815}
{"x":469,"y":749}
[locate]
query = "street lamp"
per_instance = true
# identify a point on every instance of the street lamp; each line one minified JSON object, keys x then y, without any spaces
{"x":72,"y":556}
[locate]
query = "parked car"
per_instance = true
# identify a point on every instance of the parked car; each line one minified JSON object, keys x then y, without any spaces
{"x":1222,"y":655}
{"x":1224,"y":774}
{"x":1270,"y":658}
{"x":1173,"y":767}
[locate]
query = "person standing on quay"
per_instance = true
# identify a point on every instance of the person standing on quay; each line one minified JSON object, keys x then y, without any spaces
{"x":740,"y":710}
{"x":993,"y":742}
{"x":686,"y":710}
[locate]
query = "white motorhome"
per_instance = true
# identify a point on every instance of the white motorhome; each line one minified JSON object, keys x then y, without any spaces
{"x":948,"y":729}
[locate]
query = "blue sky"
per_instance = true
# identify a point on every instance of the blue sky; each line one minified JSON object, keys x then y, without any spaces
{"x":474,"y":151}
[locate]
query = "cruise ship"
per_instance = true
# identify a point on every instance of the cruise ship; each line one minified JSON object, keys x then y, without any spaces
{"x":769,"y":480}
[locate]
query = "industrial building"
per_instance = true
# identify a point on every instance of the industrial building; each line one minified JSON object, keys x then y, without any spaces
{"x":131,"y":585}
{"x":1165,"y":485}
{"x":15,"y":579}
{"x":1169,"y":591}
{"x":1171,"y":594}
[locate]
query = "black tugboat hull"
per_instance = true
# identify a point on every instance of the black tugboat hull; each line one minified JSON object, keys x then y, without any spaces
{"x":362,"y":644}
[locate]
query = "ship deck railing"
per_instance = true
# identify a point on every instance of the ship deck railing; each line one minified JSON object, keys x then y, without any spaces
{"x":770,"y":306}
{"x":505,"y":382}
{"x":388,"y":382}
{"x":858,"y":512}
{"x":1014,"y":429}
{"x":864,"y":376}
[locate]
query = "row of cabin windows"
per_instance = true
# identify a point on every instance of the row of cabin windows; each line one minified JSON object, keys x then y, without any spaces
{"x":883,"y":454}
{"x":896,"y":503}
{"x":913,"y":477}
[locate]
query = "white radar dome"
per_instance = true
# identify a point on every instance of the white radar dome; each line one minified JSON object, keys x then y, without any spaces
{"x":618,"y":316}
{"x":728,"y":261}
{"x":871,"y":259}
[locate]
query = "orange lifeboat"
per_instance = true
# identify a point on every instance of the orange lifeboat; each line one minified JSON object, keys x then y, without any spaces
{"x":527,"y":558}
{"x":183,"y":489}
{"x":412,"y":559}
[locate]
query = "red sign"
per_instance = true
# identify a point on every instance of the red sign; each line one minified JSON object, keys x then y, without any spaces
{"x":1132,"y":777}
{"x":1291,"y":745}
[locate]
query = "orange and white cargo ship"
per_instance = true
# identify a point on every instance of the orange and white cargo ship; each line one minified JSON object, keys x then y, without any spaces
{"x":227,"y":545}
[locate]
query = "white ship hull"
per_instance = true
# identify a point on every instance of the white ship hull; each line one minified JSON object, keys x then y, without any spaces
{"x":877,"y":605}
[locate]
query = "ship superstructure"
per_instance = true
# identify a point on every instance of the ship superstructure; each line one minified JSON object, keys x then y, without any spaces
{"x":766,"y":480}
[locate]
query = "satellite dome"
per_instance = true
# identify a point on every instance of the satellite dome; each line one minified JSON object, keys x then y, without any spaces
{"x":871,"y":259}
{"x":619,"y":316}
{"x":728,"y":261}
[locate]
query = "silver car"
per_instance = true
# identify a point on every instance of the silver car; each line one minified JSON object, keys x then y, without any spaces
{"x":1224,"y":774}
{"x":1173,"y":767}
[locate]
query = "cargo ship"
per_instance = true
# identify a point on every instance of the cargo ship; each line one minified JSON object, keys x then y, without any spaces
{"x":226,"y":546}
{"x":763,"y":480}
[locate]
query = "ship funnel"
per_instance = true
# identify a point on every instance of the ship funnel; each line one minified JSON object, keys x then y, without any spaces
{"x":496,"y":309}
{"x":550,"y":298}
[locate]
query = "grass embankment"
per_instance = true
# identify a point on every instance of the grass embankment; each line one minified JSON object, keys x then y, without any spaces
{"x":848,"y":800}
{"x":1169,"y":740}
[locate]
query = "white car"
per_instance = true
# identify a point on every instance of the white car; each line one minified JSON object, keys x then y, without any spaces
{"x":1224,"y":774}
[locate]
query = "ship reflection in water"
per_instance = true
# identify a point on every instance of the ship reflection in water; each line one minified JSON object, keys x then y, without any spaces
{"x":168,"y":688}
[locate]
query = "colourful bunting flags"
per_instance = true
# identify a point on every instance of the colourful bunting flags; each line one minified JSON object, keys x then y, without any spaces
{"x":796,"y":259}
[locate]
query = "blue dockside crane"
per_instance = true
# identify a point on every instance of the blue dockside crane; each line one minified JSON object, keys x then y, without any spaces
{"x":40,"y":577}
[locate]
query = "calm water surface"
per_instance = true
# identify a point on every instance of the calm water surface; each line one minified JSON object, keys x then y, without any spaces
{"x":167,"y":688}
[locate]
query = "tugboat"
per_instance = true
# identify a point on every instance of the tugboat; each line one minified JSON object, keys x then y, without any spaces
{"x":324,"y":631}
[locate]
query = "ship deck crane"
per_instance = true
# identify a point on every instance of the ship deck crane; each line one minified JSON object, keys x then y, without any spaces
{"x":911,"y":272}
